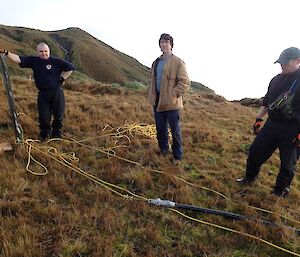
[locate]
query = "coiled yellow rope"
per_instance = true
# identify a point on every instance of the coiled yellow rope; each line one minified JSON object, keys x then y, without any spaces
{"x":148,"y":131}
{"x":67,"y":159}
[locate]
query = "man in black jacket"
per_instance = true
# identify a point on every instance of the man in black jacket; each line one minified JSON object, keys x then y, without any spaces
{"x":282,"y":128}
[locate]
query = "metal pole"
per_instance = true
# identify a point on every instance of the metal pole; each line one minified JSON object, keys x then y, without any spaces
{"x":10,"y":98}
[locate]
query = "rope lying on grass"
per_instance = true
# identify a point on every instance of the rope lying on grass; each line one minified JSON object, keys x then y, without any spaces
{"x":150,"y":132}
{"x":68,"y":160}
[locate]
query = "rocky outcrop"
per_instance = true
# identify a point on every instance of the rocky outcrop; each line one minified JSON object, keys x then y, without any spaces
{"x":251,"y":102}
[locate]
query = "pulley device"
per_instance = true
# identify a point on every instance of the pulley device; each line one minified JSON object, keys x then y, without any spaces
{"x":234,"y":216}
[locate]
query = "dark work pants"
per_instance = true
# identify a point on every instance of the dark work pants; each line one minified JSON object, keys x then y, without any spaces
{"x":51,"y":102}
{"x":162,"y":119}
{"x":271,"y":136}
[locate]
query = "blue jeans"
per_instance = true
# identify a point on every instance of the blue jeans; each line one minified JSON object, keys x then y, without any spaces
{"x":162,"y":120}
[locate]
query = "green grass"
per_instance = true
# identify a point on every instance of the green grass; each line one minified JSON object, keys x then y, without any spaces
{"x":134,"y":85}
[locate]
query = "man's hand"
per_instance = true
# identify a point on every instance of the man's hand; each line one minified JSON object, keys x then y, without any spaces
{"x":296,"y":140}
{"x":3,"y":51}
{"x":61,"y":81}
{"x":257,"y":125}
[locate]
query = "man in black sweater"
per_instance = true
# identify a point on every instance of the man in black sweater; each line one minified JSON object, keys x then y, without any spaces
{"x":49,"y":75}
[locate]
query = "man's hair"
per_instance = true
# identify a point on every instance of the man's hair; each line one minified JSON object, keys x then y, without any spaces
{"x":166,"y":37}
{"x":42,"y":44}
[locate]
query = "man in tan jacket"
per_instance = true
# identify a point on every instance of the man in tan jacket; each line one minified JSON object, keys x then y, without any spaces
{"x":169,"y":81}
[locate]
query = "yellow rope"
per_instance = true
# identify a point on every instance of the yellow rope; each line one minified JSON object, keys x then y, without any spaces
{"x":60,"y":158}
{"x":66,"y":161}
{"x":29,"y":118}
{"x":154,"y":170}
{"x":30,"y":158}
{"x":67,"y":158}
{"x":149,"y":131}
{"x":237,"y":232}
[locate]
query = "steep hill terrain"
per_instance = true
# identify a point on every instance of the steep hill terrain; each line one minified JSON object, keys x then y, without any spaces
{"x":90,"y":196}
{"x":93,"y":59}
{"x":91,"y":56}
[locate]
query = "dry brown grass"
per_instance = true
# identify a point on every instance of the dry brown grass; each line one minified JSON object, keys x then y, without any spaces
{"x":66,"y":214}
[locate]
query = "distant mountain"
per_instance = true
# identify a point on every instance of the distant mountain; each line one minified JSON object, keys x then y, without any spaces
{"x":92,"y":58}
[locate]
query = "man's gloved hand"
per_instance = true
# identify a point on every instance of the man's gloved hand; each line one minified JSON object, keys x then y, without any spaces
{"x":296,"y":140}
{"x":257,"y":125}
{"x":3,"y":51}
{"x":61,"y":81}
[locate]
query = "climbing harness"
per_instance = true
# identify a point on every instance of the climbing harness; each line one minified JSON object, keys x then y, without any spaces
{"x":283,"y":103}
{"x":10,"y":98}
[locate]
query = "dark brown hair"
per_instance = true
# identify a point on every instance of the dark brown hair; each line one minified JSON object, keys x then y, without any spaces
{"x":166,"y":37}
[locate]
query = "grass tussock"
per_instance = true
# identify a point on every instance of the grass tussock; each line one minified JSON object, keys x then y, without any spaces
{"x":66,"y":213}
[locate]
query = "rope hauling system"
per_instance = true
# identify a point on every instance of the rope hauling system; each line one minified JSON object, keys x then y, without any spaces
{"x":11,"y":102}
{"x":69,"y":160}
{"x":234,"y":216}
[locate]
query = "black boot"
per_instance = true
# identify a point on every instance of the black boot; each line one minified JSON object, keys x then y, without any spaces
{"x":245,"y":181}
{"x":44,"y":136}
{"x":280,"y":192}
{"x":56,"y":133}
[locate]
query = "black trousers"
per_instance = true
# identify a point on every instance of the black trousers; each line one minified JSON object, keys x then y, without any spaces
{"x":51,"y":102}
{"x":272,"y":136}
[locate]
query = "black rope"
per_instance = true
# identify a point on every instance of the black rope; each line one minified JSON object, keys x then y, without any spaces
{"x":230,"y":215}
{"x":234,"y":216}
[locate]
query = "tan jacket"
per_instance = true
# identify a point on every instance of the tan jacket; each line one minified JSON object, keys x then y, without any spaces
{"x":174,"y":84}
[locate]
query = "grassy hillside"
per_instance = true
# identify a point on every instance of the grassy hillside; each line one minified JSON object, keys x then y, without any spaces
{"x":94,"y":60}
{"x":90,"y":56}
{"x":66,"y":212}
{"x":196,"y":86}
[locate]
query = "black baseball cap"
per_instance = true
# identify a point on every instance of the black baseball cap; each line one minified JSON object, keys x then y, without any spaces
{"x":288,"y":54}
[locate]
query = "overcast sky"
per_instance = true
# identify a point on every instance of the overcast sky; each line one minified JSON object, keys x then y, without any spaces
{"x":229,"y":46}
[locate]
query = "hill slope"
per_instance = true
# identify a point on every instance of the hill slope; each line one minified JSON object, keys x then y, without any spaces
{"x":66,"y":212}
{"x":91,"y":56}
